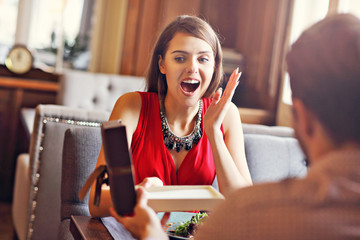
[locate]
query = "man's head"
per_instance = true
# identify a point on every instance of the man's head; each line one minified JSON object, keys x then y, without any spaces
{"x":324,"y":69}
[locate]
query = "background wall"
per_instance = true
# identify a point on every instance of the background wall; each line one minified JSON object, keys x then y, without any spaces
{"x":255,"y":28}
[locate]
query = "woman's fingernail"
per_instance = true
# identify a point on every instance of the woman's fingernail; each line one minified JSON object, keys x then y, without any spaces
{"x":239,"y":76}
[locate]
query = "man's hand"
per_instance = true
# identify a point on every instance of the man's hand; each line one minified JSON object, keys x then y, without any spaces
{"x":145,"y":223}
{"x":151,"y":182}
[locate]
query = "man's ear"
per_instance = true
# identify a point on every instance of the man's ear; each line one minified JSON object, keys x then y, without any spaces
{"x":161,"y":65}
{"x":303,"y":118}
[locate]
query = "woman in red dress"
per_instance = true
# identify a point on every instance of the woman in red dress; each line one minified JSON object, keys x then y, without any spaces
{"x":183,"y":130}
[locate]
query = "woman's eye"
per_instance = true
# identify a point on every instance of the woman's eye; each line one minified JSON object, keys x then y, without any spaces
{"x":179,"y":59}
{"x":204,"y":59}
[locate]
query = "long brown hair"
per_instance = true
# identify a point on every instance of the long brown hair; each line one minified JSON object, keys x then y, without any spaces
{"x":156,"y":81}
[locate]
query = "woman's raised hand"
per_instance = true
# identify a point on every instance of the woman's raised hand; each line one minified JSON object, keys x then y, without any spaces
{"x":215,"y":114}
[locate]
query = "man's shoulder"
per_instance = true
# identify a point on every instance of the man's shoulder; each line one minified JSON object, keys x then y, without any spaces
{"x":250,"y":212}
{"x":265,"y":194}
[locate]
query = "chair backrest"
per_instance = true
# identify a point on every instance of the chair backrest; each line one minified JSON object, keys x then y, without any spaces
{"x":88,"y":90}
{"x":80,"y":152}
{"x":273,"y":153}
{"x":46,"y":147}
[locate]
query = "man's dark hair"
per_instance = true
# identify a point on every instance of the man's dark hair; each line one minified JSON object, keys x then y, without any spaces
{"x":324,"y":69}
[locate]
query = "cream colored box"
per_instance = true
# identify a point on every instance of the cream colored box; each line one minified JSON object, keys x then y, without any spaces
{"x":183,"y":198}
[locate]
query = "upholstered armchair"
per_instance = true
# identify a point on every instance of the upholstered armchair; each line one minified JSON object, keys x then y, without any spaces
{"x":36,"y":195}
{"x":36,"y":199}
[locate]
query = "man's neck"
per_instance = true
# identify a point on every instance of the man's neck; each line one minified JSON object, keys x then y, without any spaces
{"x":344,"y":147}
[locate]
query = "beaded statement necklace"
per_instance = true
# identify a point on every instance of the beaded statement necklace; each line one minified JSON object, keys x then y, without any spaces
{"x":174,"y":142}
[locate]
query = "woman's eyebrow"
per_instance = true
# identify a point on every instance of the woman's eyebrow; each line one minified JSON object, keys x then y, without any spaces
{"x":179,"y":51}
{"x":184,"y":52}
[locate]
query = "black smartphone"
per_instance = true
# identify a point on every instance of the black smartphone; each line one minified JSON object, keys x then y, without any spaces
{"x":119,"y":166}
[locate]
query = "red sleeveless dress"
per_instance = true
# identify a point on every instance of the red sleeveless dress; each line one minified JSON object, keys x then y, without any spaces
{"x":151,"y":158}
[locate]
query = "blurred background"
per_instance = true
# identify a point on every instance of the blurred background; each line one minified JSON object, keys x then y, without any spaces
{"x":116,"y":36}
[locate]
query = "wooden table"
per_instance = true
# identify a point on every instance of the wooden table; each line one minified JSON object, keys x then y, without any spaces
{"x":85,"y":227}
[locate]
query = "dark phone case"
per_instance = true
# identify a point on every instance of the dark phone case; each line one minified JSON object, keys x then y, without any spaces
{"x":119,"y":167}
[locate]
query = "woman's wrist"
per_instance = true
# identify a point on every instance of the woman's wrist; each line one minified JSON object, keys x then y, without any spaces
{"x":213,"y":133}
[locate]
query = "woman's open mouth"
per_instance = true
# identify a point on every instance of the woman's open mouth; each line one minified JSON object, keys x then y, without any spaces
{"x":190,"y":85}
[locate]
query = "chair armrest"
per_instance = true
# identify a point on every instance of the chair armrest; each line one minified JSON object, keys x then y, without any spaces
{"x":21,"y":195}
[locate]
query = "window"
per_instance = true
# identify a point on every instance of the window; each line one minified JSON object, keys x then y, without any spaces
{"x":306,"y":13}
{"x":49,"y":18}
{"x":349,"y":6}
{"x":8,"y":15}
{"x":54,"y":32}
{"x":58,"y":30}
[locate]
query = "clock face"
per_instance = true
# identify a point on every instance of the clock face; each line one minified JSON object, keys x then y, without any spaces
{"x":19,"y":60}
